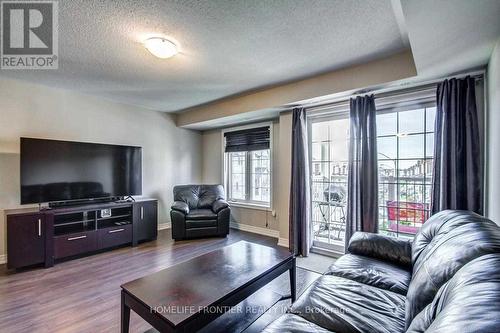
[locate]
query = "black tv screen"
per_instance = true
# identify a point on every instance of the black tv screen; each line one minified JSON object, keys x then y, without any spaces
{"x":53,"y":170}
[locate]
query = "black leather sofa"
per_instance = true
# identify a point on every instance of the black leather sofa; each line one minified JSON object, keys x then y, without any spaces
{"x":199,"y":211}
{"x":446,"y":280}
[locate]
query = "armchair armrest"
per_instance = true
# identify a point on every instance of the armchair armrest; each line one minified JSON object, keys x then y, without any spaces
{"x":181,"y":206}
{"x":218,"y":205}
{"x":381,"y":247}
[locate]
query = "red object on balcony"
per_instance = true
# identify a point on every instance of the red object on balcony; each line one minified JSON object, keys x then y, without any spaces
{"x":411,"y":216}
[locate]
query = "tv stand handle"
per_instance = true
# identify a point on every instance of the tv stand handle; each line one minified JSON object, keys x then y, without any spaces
{"x":78,"y":237}
{"x":116,"y":230}
{"x":39,"y":227}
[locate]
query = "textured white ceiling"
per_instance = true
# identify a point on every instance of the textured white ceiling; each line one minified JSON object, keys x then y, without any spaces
{"x":227,"y":46}
{"x":449,"y":36}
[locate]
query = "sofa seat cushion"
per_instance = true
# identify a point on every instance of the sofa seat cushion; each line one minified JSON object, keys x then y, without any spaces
{"x":201,"y":214}
{"x":371,"y":271}
{"x":346,"y":306}
{"x":290,"y":323}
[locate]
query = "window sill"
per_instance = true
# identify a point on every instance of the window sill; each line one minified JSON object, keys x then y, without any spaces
{"x":248,"y":205}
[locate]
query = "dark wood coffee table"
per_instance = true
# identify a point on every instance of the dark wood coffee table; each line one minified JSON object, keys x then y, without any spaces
{"x":189,"y":295}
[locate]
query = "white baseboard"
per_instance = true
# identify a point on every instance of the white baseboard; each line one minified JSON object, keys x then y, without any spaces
{"x":163,"y":226}
{"x":255,"y":230}
{"x":283,"y":242}
{"x":3,"y":259}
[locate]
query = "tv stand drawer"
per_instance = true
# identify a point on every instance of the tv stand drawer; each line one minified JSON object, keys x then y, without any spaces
{"x":114,"y":236}
{"x":73,"y":244}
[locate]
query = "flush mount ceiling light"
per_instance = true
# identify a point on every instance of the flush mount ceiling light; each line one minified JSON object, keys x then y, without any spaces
{"x":161,"y":47}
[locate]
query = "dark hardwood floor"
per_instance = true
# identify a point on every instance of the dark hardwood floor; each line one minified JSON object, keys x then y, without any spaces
{"x":63,"y":298}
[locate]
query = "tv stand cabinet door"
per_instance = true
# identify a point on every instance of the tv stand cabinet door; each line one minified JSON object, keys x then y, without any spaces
{"x":145,"y":220}
{"x":25,"y":240}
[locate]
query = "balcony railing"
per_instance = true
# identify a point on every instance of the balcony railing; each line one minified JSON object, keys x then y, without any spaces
{"x":396,"y":218}
{"x":329,"y":203}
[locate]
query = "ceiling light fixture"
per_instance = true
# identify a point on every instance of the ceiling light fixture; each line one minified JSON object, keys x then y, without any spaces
{"x":161,"y":47}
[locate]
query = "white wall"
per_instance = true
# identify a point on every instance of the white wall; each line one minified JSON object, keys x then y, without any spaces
{"x":212,"y":157}
{"x":170,"y":155}
{"x":493,"y":123}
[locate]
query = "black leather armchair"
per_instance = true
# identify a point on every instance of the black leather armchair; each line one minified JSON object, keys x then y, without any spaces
{"x":199,"y":211}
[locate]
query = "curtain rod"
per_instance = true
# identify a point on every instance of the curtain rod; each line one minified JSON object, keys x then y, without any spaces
{"x":389,"y":91}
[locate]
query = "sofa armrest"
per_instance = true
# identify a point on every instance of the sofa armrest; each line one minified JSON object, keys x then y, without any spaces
{"x":180,"y":206}
{"x":382,"y":247}
{"x":218,"y":205}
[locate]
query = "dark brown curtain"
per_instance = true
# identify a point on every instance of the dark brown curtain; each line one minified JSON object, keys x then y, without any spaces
{"x":300,"y":233}
{"x":362,"y":187}
{"x":458,"y":155}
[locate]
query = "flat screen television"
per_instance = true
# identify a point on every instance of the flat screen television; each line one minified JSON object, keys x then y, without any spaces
{"x":55,"y":171}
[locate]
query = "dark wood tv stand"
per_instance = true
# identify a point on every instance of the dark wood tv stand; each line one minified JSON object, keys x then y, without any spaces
{"x":43,"y":236}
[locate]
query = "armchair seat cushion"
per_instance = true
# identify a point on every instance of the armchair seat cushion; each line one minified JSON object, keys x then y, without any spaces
{"x":193,"y":224}
{"x":345,"y":306}
{"x":371,"y":271}
{"x":201,"y":214}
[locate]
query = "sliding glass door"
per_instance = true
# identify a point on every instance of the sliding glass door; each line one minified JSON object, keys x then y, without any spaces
{"x":329,"y":146}
{"x":405,"y":146}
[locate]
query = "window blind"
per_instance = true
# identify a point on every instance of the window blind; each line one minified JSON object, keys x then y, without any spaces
{"x":248,"y":139}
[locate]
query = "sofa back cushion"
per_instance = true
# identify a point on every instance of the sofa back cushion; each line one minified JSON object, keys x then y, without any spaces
{"x":468,"y":302}
{"x":198,"y":196}
{"x":444,"y":244}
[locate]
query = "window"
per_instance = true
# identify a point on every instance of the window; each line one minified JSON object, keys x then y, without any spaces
{"x":329,"y":143}
{"x":247,"y":166}
{"x":405,"y":143}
